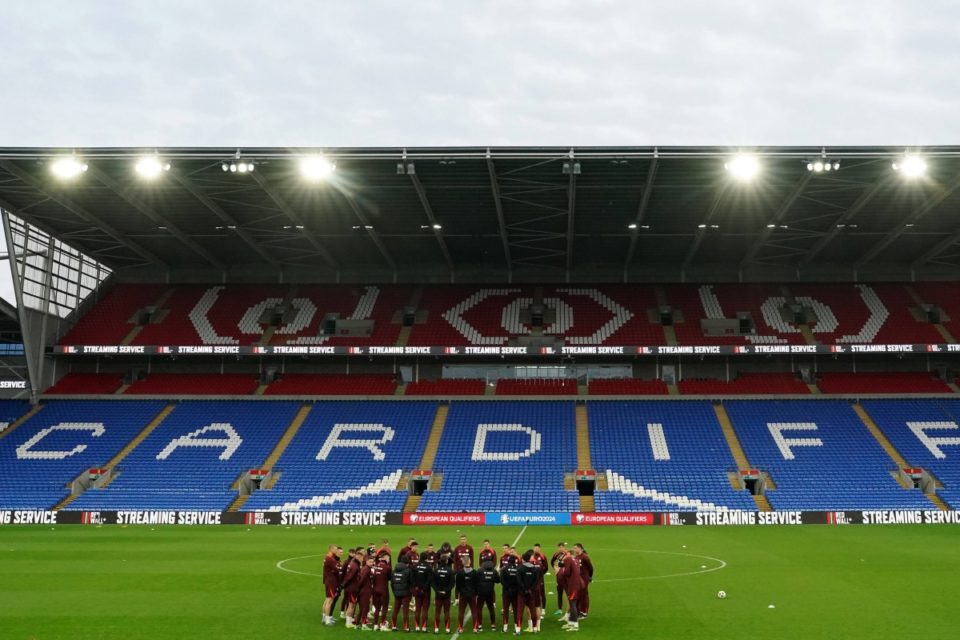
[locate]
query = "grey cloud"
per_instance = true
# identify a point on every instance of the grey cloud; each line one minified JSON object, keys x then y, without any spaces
{"x":383,"y":73}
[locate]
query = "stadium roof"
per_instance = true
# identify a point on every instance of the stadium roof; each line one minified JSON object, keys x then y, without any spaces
{"x":426,"y":212}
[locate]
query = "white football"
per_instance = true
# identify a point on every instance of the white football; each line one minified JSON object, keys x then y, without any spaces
{"x":721,"y":594}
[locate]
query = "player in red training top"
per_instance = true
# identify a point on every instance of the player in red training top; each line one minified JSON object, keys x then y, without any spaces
{"x":331,"y":583}
{"x":405,"y":550}
{"x":555,"y":563}
{"x":365,"y":591}
{"x":487,"y":554}
{"x":573,"y":583}
{"x":504,"y":556}
{"x":381,"y":591}
{"x":350,"y":585}
{"x":463,"y":551}
{"x":540,"y":562}
{"x":586,"y":574}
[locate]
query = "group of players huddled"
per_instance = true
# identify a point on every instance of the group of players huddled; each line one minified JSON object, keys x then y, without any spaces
{"x":366,"y":576}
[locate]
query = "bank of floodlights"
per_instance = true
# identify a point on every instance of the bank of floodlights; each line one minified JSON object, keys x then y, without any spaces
{"x":823,"y":164}
{"x":237,"y":166}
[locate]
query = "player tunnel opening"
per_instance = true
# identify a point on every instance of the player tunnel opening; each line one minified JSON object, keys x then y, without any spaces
{"x":754,"y":481}
{"x":419,"y":481}
{"x":586,"y":481}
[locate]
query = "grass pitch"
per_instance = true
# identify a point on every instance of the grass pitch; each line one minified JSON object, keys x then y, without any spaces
{"x":77,"y":582}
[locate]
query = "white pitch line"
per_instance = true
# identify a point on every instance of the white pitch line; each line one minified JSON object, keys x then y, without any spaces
{"x":722,"y":565}
{"x":468,"y":615}
{"x":280,"y":566}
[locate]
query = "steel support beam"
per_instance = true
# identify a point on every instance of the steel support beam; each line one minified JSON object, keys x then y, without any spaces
{"x":25,"y":330}
{"x":847,"y":215}
{"x":80,"y":212}
{"x":377,"y":240}
{"x":641,"y":213}
{"x":703,"y":228}
{"x":936,"y":250}
{"x":775,"y":219}
{"x":501,"y":219}
{"x":134,"y":200}
{"x":438,"y":233}
{"x":218,"y":211}
{"x":943,"y":193}
{"x":294,"y":217}
{"x":571,"y":210}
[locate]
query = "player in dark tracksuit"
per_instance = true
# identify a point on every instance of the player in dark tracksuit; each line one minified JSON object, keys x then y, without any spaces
{"x":555,"y":563}
{"x":586,"y":575}
{"x":422,"y":579}
{"x":381,"y":591}
{"x":331,"y":583}
{"x":429,"y":556}
{"x":510,"y":579}
{"x":541,"y":562}
{"x":365,"y":592}
{"x":573,"y":583}
{"x":466,"y":583}
{"x":529,"y":593}
{"x":401,"y":582}
{"x":351,"y":576}
{"x":443,"y":582}
{"x":487,"y":579}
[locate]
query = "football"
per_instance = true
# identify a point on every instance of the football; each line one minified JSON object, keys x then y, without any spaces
{"x":721,"y":594}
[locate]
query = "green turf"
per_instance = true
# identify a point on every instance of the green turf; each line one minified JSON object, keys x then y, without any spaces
{"x":76,"y":582}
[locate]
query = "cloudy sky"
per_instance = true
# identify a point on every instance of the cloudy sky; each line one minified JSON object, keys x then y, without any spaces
{"x":452,"y":72}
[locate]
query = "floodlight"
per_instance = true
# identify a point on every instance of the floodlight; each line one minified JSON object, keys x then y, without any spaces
{"x":911,"y":166}
{"x":150,"y":167}
{"x":438,"y":226}
{"x":823,"y":164}
{"x":743,"y":167}
{"x":316,"y":168}
{"x":632,"y":225}
{"x":68,"y":167}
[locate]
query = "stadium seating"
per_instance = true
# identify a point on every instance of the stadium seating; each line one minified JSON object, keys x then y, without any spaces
{"x":881,"y":382}
{"x":112,"y":318}
{"x":505,"y":456}
{"x":826,"y":459}
{"x":305,"y":384}
{"x":465,"y":315}
{"x":316,"y":478}
{"x":946,"y":296}
{"x":936,"y":450}
{"x":458,"y":315}
{"x":446,"y":387}
{"x":81,"y":382}
{"x":901,"y":326}
{"x":746,"y":384}
{"x":193,"y":457}
{"x":377,"y":303}
{"x":10,"y":410}
{"x":194,"y":384}
{"x":662,"y":456}
{"x":59,"y":442}
{"x":536,"y":387}
{"x":725,"y":301}
{"x":626,"y":387}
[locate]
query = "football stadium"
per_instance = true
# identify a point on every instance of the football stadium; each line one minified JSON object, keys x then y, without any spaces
{"x":677,"y":392}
